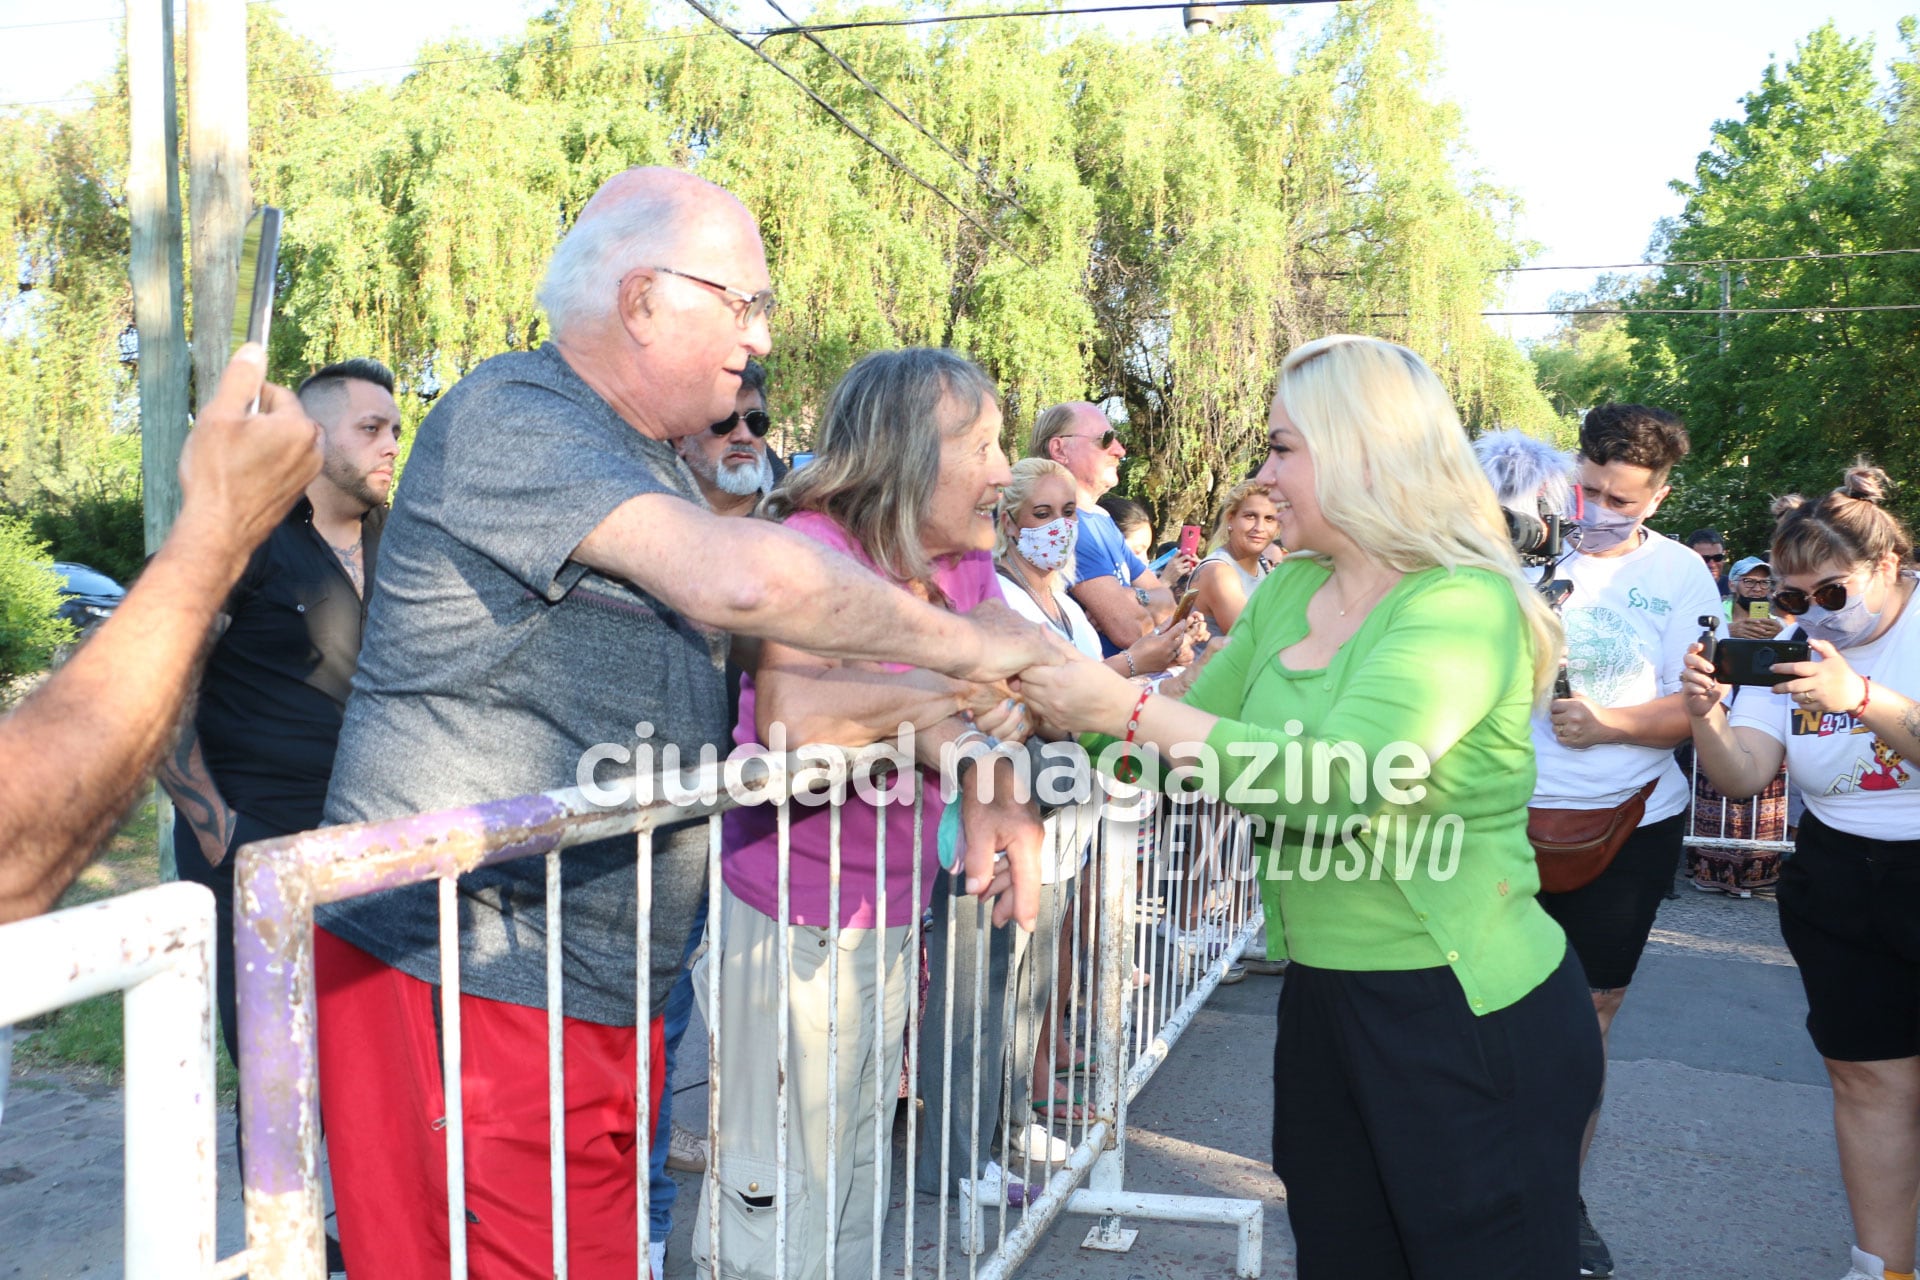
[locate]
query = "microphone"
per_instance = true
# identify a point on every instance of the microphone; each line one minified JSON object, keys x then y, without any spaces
{"x":1528,"y":475}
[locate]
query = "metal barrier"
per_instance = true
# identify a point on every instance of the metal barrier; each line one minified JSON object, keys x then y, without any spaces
{"x":156,"y":945}
{"x":1140,"y":936}
{"x":1735,"y":846}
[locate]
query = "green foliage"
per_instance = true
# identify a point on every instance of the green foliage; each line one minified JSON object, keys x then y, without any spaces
{"x":30,"y":628}
{"x":1181,"y":212}
{"x":1822,"y":161}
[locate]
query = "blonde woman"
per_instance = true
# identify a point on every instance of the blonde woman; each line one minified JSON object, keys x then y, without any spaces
{"x":1437,"y":1055}
{"x":1243,"y":551}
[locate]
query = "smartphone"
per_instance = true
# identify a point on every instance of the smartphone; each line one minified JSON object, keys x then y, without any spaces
{"x":1181,"y":610}
{"x":798,"y":461}
{"x":1189,"y":539}
{"x":1750,"y":662}
{"x":259,"y":262}
{"x":1760,"y":609}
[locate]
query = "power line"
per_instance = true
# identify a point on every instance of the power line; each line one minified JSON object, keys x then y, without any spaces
{"x":873,"y":89}
{"x":1682,"y":311}
{"x":940,"y":19}
{"x":857,"y":131}
{"x":1712,"y":262}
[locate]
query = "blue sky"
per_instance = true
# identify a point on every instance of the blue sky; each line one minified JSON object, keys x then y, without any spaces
{"x":1585,"y":110}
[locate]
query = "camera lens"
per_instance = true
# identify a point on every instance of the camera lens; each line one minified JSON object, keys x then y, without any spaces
{"x":1765,"y":658}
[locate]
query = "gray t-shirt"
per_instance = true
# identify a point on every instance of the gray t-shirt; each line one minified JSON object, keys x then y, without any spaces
{"x":492,"y":661}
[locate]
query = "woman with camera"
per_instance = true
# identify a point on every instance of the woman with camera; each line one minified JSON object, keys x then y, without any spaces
{"x":1437,"y":1055}
{"x":1850,"y":895}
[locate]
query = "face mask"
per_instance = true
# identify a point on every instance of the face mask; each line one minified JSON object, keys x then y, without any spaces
{"x":1842,"y":628}
{"x":1048,"y":546}
{"x":1602,"y":530}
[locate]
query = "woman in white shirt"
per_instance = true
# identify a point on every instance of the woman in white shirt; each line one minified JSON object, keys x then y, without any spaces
{"x":1850,"y":895}
{"x":1038,"y":524}
{"x":1243,"y":551}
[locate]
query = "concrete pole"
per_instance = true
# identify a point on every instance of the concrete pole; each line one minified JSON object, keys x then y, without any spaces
{"x":153,"y":198}
{"x":217,"y":176}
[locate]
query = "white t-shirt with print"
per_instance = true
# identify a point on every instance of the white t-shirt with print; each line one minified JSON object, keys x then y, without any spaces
{"x":1630,"y":621}
{"x":1852,"y":780}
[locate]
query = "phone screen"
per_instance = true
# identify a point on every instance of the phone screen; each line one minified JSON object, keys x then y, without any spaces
{"x":1185,"y":607}
{"x":1760,"y":609}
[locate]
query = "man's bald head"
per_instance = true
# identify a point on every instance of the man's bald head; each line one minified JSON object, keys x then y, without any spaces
{"x":637,"y":218}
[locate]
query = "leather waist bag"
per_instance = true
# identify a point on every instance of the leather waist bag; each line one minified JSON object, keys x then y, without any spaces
{"x":1573,"y":846}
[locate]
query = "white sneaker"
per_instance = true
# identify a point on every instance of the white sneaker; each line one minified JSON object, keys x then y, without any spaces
{"x":1037,"y":1143}
{"x":1865,"y":1266}
{"x":686,"y":1151}
{"x":657,"y":1258}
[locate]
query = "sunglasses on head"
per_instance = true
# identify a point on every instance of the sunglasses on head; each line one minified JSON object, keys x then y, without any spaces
{"x":1832,"y":598}
{"x":757,"y":422}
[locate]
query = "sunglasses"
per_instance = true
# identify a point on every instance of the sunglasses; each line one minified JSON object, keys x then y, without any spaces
{"x":757,"y":422}
{"x":1714,"y":559}
{"x":1103,"y":441}
{"x":1832,"y":598}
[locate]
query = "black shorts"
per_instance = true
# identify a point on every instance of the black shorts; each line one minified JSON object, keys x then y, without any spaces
{"x":1850,"y":914}
{"x":1607,"y":922}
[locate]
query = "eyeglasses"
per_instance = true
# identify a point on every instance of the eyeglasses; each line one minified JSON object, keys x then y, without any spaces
{"x":1103,"y":441}
{"x":1832,"y":598}
{"x":1719,"y":559}
{"x":747,"y":307}
{"x":756,"y":419}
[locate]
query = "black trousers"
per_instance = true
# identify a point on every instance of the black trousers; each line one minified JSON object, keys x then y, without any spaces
{"x":193,"y":866}
{"x":1417,"y":1140}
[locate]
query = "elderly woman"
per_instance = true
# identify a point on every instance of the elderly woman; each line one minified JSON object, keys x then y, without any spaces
{"x":1848,"y":728}
{"x":907,"y":471}
{"x":1437,"y":1056}
{"x":1242,"y":553}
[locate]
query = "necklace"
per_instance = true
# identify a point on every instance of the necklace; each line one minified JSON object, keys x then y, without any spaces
{"x":1060,"y":623}
{"x":1374,"y":593}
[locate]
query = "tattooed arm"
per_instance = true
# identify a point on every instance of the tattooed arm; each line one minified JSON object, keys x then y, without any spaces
{"x":184,"y":774}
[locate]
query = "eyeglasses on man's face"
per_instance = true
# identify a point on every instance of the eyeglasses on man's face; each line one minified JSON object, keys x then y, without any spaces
{"x":1103,"y":441}
{"x":756,"y":419}
{"x":1715,"y":559}
{"x":747,"y":307}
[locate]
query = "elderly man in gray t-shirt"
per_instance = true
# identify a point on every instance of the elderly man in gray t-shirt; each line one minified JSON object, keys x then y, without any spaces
{"x":549,"y":581}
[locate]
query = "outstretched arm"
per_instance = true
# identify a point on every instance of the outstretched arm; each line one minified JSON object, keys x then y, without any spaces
{"x":75,"y":753}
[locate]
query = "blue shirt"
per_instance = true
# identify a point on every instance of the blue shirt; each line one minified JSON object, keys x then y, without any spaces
{"x":1101,"y":552}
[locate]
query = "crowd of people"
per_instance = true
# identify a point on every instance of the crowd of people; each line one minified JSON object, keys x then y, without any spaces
{"x":594,"y":540}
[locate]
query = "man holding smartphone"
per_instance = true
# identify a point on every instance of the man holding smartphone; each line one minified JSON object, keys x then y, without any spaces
{"x":1749,"y":611}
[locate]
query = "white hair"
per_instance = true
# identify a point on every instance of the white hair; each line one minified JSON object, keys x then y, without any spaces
{"x":1526,"y":472}
{"x":583,"y":277}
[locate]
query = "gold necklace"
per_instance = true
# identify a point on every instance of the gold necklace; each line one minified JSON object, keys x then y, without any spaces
{"x":1377,"y":591}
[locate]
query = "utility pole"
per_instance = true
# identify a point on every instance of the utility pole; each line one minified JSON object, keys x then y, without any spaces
{"x":153,"y":199}
{"x":1726,"y":302}
{"x":217,"y":177}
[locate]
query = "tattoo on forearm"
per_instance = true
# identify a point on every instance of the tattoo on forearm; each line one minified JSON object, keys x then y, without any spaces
{"x":194,"y":794}
{"x":1910,"y":721}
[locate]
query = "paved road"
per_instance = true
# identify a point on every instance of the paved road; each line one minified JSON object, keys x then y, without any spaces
{"x":1715,"y":1156}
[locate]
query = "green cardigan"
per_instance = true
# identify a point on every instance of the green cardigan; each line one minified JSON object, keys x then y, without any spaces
{"x":1445,"y":877}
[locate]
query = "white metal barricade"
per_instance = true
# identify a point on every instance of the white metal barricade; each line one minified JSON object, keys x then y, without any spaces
{"x":1136,"y":935}
{"x":155,"y":945}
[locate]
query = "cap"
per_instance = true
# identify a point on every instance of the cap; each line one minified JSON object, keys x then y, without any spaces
{"x":1741,"y":568}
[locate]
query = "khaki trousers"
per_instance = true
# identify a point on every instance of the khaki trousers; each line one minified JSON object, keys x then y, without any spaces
{"x":745,"y":1078}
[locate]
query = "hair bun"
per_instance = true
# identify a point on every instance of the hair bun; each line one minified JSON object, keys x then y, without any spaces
{"x":1866,"y":483}
{"x":1786,"y":504}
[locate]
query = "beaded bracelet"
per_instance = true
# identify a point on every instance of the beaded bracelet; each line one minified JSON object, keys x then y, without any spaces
{"x":1133,"y":727}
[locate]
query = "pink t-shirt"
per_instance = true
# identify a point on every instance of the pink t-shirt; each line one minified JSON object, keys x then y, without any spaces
{"x":750,"y":858}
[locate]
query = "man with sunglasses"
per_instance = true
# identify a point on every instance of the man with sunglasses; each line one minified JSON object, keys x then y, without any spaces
{"x":729,"y":460}
{"x":1125,"y":599}
{"x":1712,"y":549}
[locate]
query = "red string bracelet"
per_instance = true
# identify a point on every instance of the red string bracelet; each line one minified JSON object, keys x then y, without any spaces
{"x":1858,"y":711}
{"x":1133,"y":727}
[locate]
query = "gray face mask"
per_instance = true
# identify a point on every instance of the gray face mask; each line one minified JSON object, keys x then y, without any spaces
{"x":1842,"y":628}
{"x":1602,"y":530}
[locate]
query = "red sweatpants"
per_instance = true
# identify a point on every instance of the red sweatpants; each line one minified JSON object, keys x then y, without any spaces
{"x":380,"y":1087}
